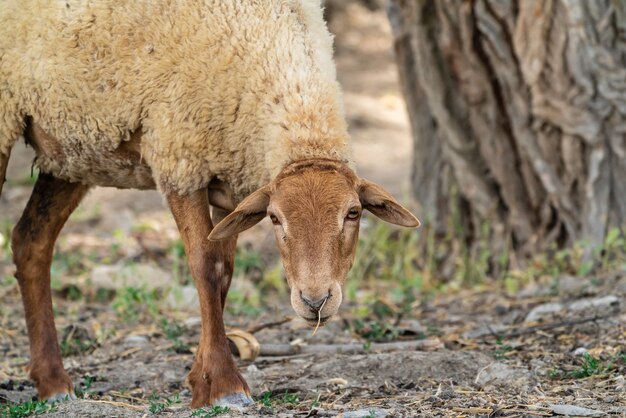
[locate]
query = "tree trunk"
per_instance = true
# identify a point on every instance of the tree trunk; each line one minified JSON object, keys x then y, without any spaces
{"x":518,"y":116}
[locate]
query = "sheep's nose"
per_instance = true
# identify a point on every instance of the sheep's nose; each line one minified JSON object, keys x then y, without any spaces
{"x":314,"y":305}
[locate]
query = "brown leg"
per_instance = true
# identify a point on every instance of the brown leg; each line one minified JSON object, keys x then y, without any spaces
{"x":50,"y":204}
{"x":214,"y":377}
{"x":4,"y":163}
{"x":229,"y":247}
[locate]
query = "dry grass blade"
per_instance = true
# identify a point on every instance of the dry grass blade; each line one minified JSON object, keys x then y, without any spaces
{"x":319,"y":317}
{"x":120,"y":404}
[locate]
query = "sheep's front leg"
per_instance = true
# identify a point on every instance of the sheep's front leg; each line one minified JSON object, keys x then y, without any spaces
{"x":50,"y":204}
{"x":214,"y":377}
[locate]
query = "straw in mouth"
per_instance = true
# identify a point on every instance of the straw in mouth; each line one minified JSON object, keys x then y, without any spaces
{"x":319,"y":317}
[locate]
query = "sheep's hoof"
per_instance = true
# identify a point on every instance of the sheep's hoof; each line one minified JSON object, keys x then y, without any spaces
{"x":235,"y":401}
{"x":62,"y":397}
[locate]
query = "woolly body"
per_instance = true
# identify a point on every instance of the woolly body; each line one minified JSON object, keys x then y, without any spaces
{"x":228,"y":89}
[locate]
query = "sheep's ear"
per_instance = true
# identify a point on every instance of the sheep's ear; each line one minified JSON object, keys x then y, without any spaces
{"x":247,"y":214}
{"x":378,"y":201}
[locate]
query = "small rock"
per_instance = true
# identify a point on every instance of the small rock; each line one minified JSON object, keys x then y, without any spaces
{"x":501,"y":374}
{"x":580,"y":351}
{"x":411,"y":327}
{"x":363,"y":413}
{"x":136,"y":340}
{"x":252,"y":369}
{"x":620,"y":384}
{"x":543,"y":311}
{"x":576,"y":411}
{"x":185,"y":297}
{"x":138,"y":275}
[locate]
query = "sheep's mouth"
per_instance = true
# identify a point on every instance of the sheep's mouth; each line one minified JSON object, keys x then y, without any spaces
{"x":313,"y":321}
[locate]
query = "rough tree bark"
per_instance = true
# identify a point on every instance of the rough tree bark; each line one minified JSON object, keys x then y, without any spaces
{"x":518,"y":115}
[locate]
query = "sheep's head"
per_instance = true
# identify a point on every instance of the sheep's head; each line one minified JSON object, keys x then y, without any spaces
{"x":315,"y":207}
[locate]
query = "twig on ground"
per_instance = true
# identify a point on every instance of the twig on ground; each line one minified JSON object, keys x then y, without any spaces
{"x":259,"y":327}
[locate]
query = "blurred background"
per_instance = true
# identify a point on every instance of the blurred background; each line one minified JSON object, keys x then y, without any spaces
{"x":501,"y":124}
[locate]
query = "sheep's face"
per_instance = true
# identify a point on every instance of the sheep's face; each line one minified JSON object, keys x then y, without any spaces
{"x":316,"y":223}
{"x":315,"y":211}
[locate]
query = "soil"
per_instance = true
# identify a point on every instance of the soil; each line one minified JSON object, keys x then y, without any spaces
{"x":493,"y":353}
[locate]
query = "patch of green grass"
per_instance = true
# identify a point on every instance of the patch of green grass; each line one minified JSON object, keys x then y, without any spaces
{"x":579,"y":260}
{"x":289,"y":398}
{"x":180,"y":267}
{"x":316,"y":402}
{"x":5,"y":239}
{"x":239,"y":302}
{"x":173,"y":331}
{"x":130,"y":302}
{"x":83,"y":390}
{"x":7,"y":281}
{"x":74,"y":346}
{"x":420,"y":263}
{"x":210,"y":412}
{"x":247,"y":260}
{"x":269,"y":399}
{"x":273,"y":279}
{"x":500,"y":353}
{"x":26,"y":179}
{"x":613,"y":252}
{"x":375,"y":331}
{"x":26,"y":409}
{"x":589,"y":367}
{"x":266,"y":399}
{"x":69,"y":263}
{"x":555,"y":373}
{"x":157,"y":404}
{"x":76,"y":340}
{"x":73,"y":292}
{"x":386,"y":253}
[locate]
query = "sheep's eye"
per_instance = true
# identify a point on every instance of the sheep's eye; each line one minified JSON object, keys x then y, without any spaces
{"x":274,"y":220}
{"x":353,"y":214}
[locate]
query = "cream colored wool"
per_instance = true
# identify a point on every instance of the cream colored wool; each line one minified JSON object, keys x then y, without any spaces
{"x":230,"y":88}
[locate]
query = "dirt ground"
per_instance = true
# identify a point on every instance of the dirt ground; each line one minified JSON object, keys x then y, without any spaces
{"x":553,"y":347}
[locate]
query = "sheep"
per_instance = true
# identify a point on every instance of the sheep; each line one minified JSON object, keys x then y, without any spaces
{"x":229,"y":105}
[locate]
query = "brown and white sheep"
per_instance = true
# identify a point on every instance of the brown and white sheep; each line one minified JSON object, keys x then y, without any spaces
{"x":208,"y":101}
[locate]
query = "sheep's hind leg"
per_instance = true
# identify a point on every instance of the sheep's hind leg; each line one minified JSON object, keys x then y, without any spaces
{"x":50,"y":204}
{"x":214,"y":377}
